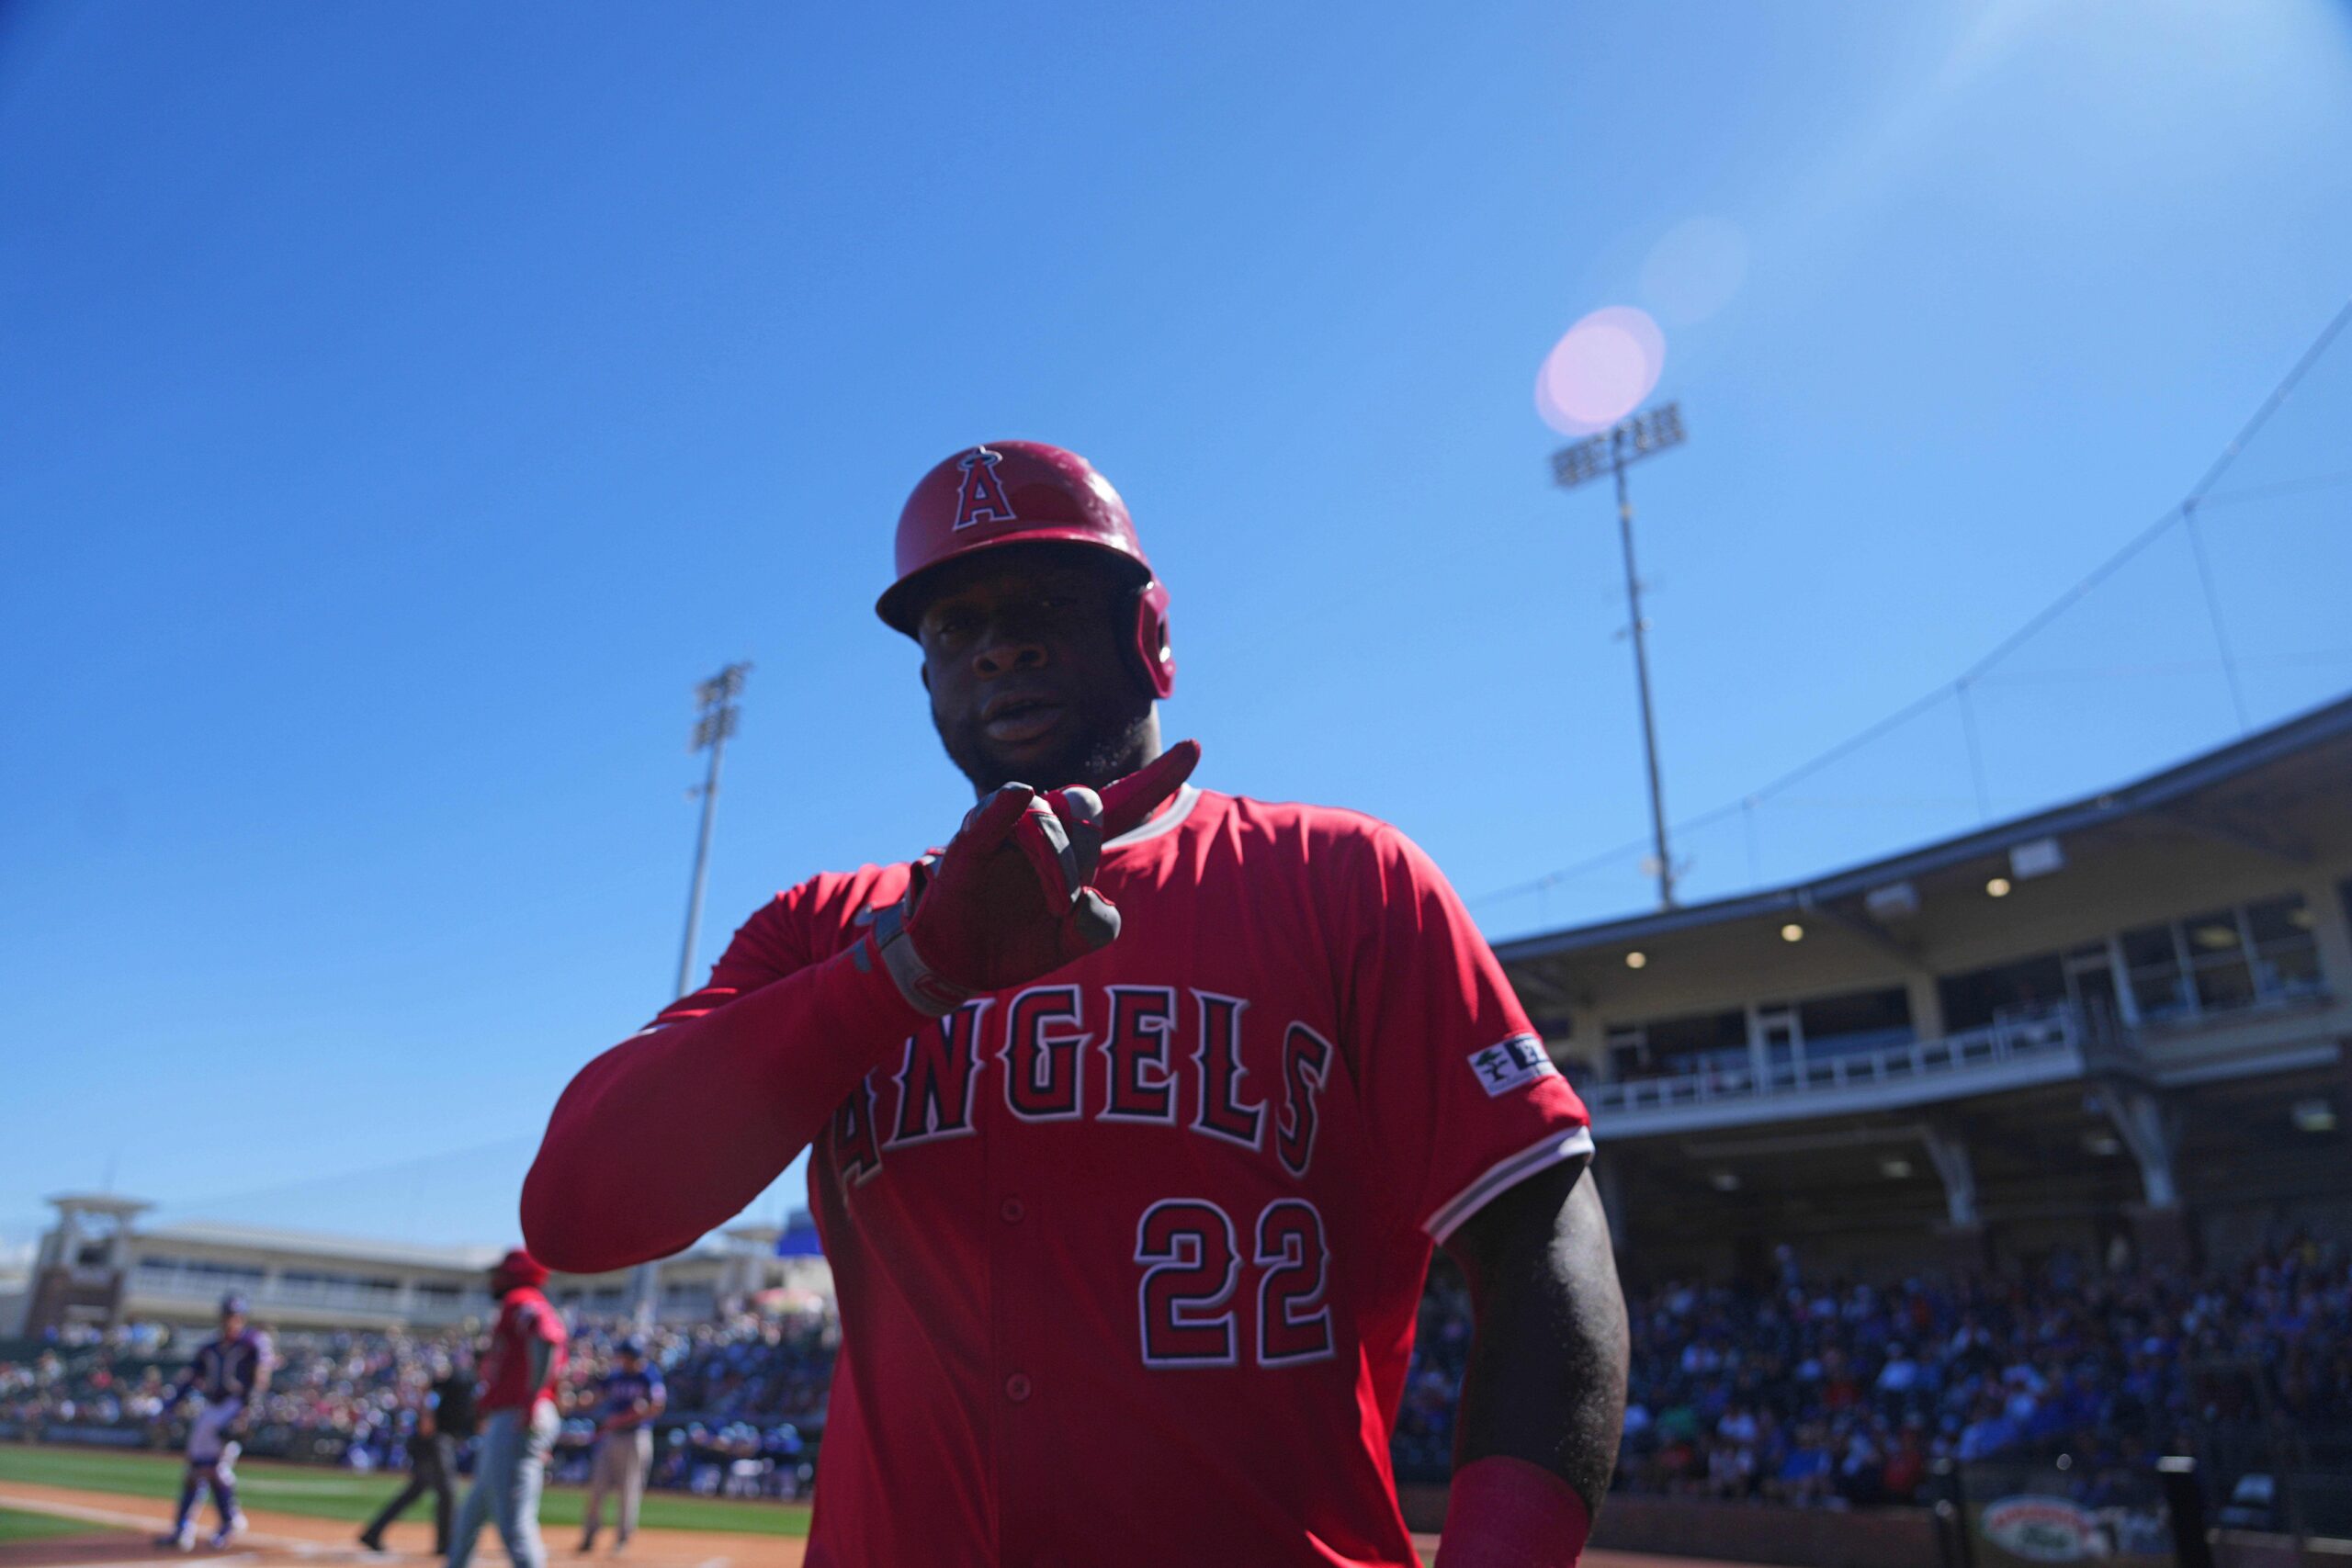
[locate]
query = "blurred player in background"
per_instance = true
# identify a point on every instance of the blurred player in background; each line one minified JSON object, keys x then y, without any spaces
{"x":627,"y":1400}
{"x":519,"y":1370}
{"x":1136,"y":1113}
{"x":232,"y":1371}
{"x":445,"y":1417}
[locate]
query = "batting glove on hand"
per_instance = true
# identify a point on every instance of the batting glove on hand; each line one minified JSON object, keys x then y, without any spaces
{"x":1009,"y":899}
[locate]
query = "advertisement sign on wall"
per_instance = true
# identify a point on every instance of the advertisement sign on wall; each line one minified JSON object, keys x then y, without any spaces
{"x":2033,"y":1526}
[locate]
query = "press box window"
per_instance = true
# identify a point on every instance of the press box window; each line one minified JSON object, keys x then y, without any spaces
{"x":2158,"y":987}
{"x":2286,"y":954}
{"x":2217,"y":960}
{"x":2223,"y":959}
{"x":1857,"y":1022}
{"x":1672,"y":1046}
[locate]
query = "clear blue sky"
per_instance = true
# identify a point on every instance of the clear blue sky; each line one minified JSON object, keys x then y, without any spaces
{"x":401,"y":406}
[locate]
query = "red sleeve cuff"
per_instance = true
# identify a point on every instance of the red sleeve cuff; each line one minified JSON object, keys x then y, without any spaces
{"x":1507,"y":1513}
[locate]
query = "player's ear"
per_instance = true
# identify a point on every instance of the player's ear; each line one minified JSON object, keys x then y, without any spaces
{"x":923,"y":671}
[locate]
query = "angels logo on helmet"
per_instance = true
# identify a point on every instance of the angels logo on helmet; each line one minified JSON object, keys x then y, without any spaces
{"x":981,"y":498}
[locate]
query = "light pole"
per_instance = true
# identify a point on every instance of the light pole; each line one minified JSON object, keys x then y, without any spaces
{"x":1644,"y":434}
{"x":713,"y":725}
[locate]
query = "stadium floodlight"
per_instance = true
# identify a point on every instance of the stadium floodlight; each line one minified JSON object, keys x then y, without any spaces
{"x":1894,"y":901}
{"x":713,"y":725}
{"x":2038,"y":857}
{"x":1644,"y":434}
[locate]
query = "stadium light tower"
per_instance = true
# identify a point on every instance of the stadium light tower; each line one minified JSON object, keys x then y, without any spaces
{"x":713,"y":725}
{"x":1645,"y":434}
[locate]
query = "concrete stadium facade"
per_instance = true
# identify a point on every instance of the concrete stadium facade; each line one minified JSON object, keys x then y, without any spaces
{"x":100,"y":1266}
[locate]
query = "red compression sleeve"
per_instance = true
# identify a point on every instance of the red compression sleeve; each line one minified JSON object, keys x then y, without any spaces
{"x":667,"y":1136}
{"x":1507,"y":1513}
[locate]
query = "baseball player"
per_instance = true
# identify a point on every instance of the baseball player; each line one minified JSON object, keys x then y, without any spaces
{"x":1135,"y":1111}
{"x":516,"y":1409}
{"x":628,"y":1398}
{"x":231,"y":1373}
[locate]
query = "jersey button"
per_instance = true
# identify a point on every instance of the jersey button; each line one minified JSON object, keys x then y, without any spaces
{"x":1012,"y":1211}
{"x":1016,"y":1387}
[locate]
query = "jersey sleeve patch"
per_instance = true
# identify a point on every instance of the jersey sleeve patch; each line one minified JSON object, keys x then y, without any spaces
{"x":1504,"y":1175}
{"x":1512,"y":1064}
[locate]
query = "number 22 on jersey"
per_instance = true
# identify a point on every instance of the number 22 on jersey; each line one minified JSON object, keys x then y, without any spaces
{"x":1192,"y":1257}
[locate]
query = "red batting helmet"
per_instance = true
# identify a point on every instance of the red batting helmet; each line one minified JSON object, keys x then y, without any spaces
{"x":519,"y":1267}
{"x":1025,"y":492}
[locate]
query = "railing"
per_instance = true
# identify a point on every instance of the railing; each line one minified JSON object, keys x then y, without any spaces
{"x":317,"y":1294}
{"x":187,"y":1284}
{"x":2059,"y":1037}
{"x":332,"y":1292}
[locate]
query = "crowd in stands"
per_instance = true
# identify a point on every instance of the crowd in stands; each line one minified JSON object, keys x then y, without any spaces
{"x":746,"y":1393}
{"x":1842,"y":1392}
{"x":1808,"y":1391}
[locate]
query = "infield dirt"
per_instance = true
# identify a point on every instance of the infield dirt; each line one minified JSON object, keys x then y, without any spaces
{"x":277,"y":1539}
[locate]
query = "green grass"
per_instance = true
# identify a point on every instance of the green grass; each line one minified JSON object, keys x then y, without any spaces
{"x":15,"y":1525}
{"x":326,"y":1493}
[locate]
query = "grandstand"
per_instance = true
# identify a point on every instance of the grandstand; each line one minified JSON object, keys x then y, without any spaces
{"x":2114,"y":1028}
{"x":99,"y":1266}
{"x":747,"y":1391}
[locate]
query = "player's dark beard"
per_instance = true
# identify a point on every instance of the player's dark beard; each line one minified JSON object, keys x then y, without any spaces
{"x":1108,"y":746}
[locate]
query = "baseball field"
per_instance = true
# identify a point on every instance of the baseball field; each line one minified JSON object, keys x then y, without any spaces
{"x":19,"y":1526}
{"x":351,"y":1496}
{"x":90,"y":1509}
{"x":62,"y":1505}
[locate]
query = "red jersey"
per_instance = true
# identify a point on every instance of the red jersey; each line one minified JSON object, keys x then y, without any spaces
{"x":505,"y":1374}
{"x":1128,"y":1258}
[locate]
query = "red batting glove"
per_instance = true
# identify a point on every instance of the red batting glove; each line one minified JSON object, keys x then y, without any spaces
{"x":1009,"y":899}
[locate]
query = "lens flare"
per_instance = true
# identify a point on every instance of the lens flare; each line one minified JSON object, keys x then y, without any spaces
{"x":1599,"y":370}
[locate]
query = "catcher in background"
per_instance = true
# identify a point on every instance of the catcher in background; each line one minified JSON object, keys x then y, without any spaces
{"x":232,"y":1371}
{"x":627,"y":1400}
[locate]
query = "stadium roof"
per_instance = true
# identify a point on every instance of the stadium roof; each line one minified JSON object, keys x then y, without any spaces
{"x":365,"y":1249}
{"x":2320,"y":740}
{"x":100,"y":1202}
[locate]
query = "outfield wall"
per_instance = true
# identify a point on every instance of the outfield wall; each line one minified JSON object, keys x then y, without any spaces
{"x":1826,"y":1537}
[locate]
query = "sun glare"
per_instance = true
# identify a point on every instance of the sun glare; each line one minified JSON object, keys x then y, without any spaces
{"x":1599,"y":370}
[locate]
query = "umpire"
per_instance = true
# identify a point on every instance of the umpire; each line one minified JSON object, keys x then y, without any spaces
{"x":444,"y":1421}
